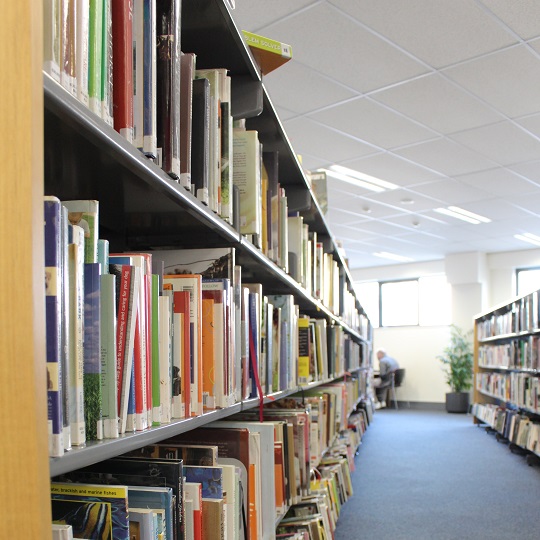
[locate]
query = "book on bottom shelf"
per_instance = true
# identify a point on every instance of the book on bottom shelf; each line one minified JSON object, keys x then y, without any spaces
{"x":93,"y":510}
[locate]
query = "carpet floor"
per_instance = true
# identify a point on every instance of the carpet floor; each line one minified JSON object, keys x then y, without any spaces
{"x":424,"y":475}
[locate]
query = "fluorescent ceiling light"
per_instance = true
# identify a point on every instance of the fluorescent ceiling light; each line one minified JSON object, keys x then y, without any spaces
{"x":359,"y":179}
{"x":528,"y":237}
{"x":464,"y":215}
{"x":392,"y":256}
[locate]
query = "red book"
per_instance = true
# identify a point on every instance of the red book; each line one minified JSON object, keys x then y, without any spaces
{"x":122,"y":32}
{"x":181,"y":407}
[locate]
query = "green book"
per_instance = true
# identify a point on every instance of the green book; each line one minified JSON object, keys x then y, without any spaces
{"x":95,"y":55}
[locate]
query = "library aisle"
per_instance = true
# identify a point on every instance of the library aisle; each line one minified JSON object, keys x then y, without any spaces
{"x":436,"y":476}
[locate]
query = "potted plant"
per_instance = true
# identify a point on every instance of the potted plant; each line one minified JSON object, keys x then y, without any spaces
{"x":457,"y":360}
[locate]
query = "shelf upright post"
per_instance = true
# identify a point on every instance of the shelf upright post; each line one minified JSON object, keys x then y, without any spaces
{"x":24,"y":466}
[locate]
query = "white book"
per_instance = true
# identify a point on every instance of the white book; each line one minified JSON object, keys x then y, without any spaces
{"x":76,"y":335}
{"x":83,"y":16}
{"x":165,"y":366}
{"x":145,"y":517}
{"x":138,"y":73}
{"x":62,"y":532}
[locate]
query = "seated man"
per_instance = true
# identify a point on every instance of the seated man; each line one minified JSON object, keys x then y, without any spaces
{"x":387,"y":366}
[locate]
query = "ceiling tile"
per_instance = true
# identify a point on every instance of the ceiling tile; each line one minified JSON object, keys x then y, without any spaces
{"x":530,"y":170}
{"x":500,"y":182}
{"x":529,"y":203}
{"x":504,"y":143}
{"x":404,"y":200}
{"x":322,"y":36}
{"x":507,"y":80}
{"x":530,"y":123}
{"x":440,"y":33}
{"x":451,"y":192}
{"x":303,"y":80}
{"x":252,"y":15}
{"x":393,"y":168}
{"x":446,"y":157}
{"x":308,"y":137}
{"x":522,"y":19}
{"x":373,"y":123}
{"x":496,"y":209}
{"x":437,"y":103}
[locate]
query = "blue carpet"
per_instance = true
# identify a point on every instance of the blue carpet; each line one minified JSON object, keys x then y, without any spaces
{"x":435,"y":476}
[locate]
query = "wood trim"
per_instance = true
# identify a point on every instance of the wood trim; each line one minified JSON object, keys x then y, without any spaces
{"x":24,"y":464}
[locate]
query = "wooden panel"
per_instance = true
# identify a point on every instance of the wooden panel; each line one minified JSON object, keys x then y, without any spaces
{"x":24,"y":468}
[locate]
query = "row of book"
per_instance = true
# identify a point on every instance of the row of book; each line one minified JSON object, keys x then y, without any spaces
{"x":123,"y":60}
{"x":522,"y":353}
{"x":229,"y":480}
{"x":519,"y":316}
{"x":514,"y":426}
{"x":520,"y":389}
{"x":138,"y":339}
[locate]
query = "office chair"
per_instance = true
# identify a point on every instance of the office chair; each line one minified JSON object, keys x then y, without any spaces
{"x":398,"y":377}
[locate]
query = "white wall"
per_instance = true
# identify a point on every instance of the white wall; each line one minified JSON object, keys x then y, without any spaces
{"x":490,"y":281}
{"x":416,"y":349}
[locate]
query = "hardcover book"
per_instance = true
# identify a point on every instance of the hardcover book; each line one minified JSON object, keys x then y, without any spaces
{"x":269,"y":53}
{"x":187,"y":73}
{"x":53,"y":326}
{"x":95,"y":55}
{"x":94,"y":511}
{"x":200,"y":140}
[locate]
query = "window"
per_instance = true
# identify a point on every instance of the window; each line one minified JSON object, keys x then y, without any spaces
{"x":527,"y":280}
{"x":425,"y":301}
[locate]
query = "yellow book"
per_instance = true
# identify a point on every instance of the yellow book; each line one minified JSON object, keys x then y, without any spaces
{"x":303,"y":350}
{"x":269,"y":53}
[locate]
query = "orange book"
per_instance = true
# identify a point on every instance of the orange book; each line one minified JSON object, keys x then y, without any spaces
{"x":252,"y":498}
{"x":279,"y":476}
{"x":208,"y":353}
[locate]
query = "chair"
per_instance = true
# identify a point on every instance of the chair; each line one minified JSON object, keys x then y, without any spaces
{"x":398,"y":377}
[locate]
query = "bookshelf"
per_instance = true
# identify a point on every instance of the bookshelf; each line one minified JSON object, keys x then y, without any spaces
{"x":81,"y":157}
{"x":507,"y":371}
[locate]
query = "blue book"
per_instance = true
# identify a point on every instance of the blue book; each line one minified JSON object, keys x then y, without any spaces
{"x":92,"y":352}
{"x":154,"y":497}
{"x":53,"y":305}
{"x":210,"y":478}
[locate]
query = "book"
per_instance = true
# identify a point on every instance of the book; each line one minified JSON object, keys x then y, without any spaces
{"x":53,"y":326}
{"x":269,"y":53}
{"x":213,"y":523}
{"x":76,"y":333}
{"x":190,"y":454}
{"x":85,"y":214}
{"x":82,"y":50}
{"x":247,"y":176}
{"x":95,"y":55}
{"x":93,"y":510}
{"x":193,"y":491}
{"x":210,"y":478}
{"x":214,"y":77}
{"x":192,"y":283}
{"x":183,"y":381}
{"x":155,"y":403}
{"x":92,"y":352}
{"x":107,"y":112}
{"x":142,"y":523}
{"x":165,"y":357}
{"x":168,"y":85}
{"x":109,"y":401}
{"x":68,"y":41}
{"x":200,"y":140}
{"x":51,"y":38}
{"x":62,"y":532}
{"x":122,"y":48}
{"x":226,"y":149}
{"x":187,"y":73}
{"x":127,"y":283}
{"x":208,"y":353}
{"x":158,"y":499}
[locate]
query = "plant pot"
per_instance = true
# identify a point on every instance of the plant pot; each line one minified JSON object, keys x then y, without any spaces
{"x":457,"y":402}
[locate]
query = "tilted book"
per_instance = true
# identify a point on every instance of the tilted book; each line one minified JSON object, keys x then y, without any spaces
{"x":269,"y":53}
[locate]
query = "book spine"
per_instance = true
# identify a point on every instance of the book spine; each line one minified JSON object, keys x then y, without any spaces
{"x":226,"y":152}
{"x":76,"y":281}
{"x":107,"y":65}
{"x":65,"y":328}
{"x":138,"y":73}
{"x":165,"y":367}
{"x":53,"y":304}
{"x":156,"y":358}
{"x":108,"y":356}
{"x":149,"y":66}
{"x":122,"y":32}
{"x":187,"y":70}
{"x":68,"y":40}
{"x":51,"y":38}
{"x":92,"y":353}
{"x":82,"y":33}
{"x":95,"y":55}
